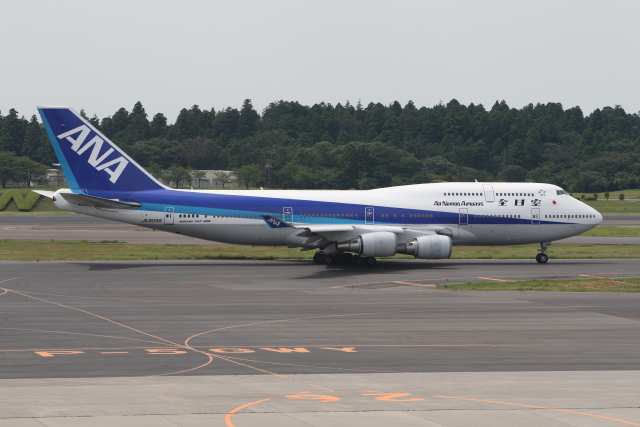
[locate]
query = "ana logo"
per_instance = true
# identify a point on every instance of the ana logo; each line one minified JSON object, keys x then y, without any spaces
{"x":113,"y":167}
{"x":274,"y":221}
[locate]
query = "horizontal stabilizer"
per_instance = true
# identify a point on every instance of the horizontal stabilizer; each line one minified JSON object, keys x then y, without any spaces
{"x":45,"y":193}
{"x":98,"y":202}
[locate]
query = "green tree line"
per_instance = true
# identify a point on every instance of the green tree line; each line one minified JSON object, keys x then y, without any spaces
{"x":290,"y":145}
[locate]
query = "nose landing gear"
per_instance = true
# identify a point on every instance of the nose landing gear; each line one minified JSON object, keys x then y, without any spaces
{"x":542,"y":257}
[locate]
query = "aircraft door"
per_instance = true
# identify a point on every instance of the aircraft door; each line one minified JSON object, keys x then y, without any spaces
{"x":463,"y":216}
{"x":489,"y":195}
{"x":368,"y":216}
{"x":287,"y":215}
{"x":535,"y":216}
{"x":168,"y":216}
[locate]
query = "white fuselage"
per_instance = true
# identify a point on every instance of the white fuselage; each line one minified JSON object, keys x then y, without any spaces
{"x":470,"y":213}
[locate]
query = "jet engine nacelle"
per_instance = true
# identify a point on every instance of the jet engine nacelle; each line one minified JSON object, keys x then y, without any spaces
{"x":427,"y":247}
{"x":380,"y":243}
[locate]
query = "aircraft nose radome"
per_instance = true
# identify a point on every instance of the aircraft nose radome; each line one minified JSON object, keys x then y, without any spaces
{"x":598,"y":217}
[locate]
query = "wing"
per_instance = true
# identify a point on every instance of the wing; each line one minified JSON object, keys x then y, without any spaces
{"x":322,"y":236}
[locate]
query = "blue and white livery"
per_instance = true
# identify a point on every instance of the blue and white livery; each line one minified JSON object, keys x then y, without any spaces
{"x":424,"y":220}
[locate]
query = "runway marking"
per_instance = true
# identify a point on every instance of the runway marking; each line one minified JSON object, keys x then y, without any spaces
{"x":312,"y":366}
{"x":542,"y":407}
{"x":595,"y":277}
{"x":490,"y":278}
{"x":287,"y":350}
{"x":186,"y":343}
{"x":323,"y":398}
{"x":53,"y":353}
{"x":415,"y":284}
{"x":393,"y":397}
{"x":359,"y":286}
{"x":79,"y":333}
{"x":95,"y":315}
{"x":210,"y":358}
{"x":174,"y":352}
{"x":227,"y":418}
{"x":605,"y":278}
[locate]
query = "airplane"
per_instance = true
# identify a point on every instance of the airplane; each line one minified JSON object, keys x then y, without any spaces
{"x":343,"y":226}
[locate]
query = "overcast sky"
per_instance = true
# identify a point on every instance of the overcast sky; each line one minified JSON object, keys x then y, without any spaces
{"x":169,"y":55}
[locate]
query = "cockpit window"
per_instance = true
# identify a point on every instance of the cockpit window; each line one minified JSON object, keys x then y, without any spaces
{"x":559,"y":192}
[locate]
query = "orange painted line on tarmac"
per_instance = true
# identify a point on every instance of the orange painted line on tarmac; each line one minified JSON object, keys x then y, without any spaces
{"x":5,"y":291}
{"x":227,"y":418}
{"x":414,"y":284}
{"x":595,"y":277}
{"x":124,"y":326}
{"x":444,"y":279}
{"x":95,"y":315}
{"x":543,"y":407}
{"x":79,"y":333}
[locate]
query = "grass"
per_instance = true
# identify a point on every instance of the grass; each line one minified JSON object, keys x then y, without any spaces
{"x":110,"y":250}
{"x":616,"y":207}
{"x":581,"y":285}
{"x":613,"y":231}
{"x":43,"y":205}
{"x":613,"y":195}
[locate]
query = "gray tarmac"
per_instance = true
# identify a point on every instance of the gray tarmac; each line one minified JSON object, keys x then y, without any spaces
{"x":83,"y":227}
{"x":255,"y":343}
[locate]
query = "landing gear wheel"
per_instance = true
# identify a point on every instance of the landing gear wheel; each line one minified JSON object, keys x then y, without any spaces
{"x":328,"y":259}
{"x":370,"y":261}
{"x":338,"y":259}
{"x":358,"y":260}
{"x":348,"y":258}
{"x":318,"y":258}
{"x":542,"y":258}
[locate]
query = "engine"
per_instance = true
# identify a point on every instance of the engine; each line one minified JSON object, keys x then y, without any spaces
{"x":427,"y":247}
{"x":380,"y":243}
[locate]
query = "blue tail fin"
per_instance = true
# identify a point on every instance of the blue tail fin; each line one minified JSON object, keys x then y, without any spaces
{"x":89,"y":160}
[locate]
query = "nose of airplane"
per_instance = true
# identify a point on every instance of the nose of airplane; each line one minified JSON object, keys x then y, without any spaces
{"x":598,"y":217}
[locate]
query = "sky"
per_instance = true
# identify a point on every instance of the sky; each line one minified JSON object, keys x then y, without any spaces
{"x":101,"y":56}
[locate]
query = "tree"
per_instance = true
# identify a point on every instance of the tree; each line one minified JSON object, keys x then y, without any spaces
{"x":223,"y":177}
{"x":156,"y":170}
{"x":513,"y":173}
{"x":178,"y":174}
{"x":12,"y":132}
{"x":249,"y":175}
{"x":158,"y":126}
{"x":248,"y":121}
{"x":196,"y":152}
{"x":137,"y":125}
{"x":198,"y":175}
{"x":8,"y":167}
{"x":28,"y":171}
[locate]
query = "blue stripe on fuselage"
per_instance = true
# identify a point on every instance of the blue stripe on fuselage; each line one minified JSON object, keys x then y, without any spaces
{"x":227,"y":204}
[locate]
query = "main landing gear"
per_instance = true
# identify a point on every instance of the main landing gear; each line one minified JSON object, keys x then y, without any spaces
{"x":344,"y":258}
{"x":542,"y":257}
